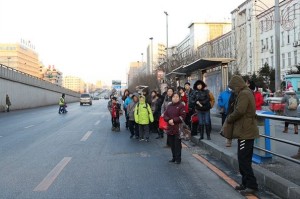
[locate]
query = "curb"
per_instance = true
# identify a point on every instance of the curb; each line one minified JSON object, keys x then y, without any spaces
{"x":276,"y":184}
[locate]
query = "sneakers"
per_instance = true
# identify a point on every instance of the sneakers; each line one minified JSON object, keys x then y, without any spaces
{"x":248,"y":191}
{"x":118,"y":129}
{"x":113,"y":128}
{"x":172,"y":160}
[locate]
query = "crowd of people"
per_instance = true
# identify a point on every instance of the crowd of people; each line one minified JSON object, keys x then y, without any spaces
{"x":191,"y":105}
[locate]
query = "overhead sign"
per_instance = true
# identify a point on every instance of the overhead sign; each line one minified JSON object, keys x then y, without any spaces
{"x":116,"y":82}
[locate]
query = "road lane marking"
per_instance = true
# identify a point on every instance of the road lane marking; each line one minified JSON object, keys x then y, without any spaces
{"x":97,"y":122}
{"x":86,"y":136}
{"x":27,"y":127}
{"x":221,"y":174}
{"x":49,"y":179}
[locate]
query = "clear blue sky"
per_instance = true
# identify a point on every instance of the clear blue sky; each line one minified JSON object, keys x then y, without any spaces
{"x":84,"y":38}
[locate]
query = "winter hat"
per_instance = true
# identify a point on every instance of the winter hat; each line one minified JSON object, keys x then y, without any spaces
{"x":135,"y":94}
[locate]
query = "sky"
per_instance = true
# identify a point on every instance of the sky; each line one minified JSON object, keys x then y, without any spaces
{"x":97,"y":40}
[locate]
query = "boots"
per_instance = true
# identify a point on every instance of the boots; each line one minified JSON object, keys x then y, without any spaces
{"x":297,"y":156}
{"x":207,"y":129}
{"x":201,"y":129}
{"x":285,"y":130}
{"x":296,"y":129}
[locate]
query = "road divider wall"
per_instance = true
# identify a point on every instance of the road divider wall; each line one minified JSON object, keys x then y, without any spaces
{"x":26,"y":91}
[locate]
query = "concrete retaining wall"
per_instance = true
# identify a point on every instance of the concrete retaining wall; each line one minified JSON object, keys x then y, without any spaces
{"x":26,"y":91}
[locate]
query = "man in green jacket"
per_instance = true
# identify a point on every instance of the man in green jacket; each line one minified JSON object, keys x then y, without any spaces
{"x":143,"y":116}
{"x":245,"y":130}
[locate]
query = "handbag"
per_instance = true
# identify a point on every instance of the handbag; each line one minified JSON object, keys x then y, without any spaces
{"x":162,"y":124}
{"x":185,"y":131}
{"x":227,"y":130}
{"x":194,"y":118}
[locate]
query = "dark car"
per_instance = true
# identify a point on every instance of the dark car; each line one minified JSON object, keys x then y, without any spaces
{"x":106,"y":97}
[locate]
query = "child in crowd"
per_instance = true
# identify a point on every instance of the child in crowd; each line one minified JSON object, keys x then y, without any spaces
{"x":115,"y":114}
{"x":133,"y":126}
{"x":143,"y":116}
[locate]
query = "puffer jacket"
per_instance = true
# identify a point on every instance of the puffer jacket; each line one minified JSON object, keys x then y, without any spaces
{"x":243,"y":116}
{"x":174,"y":111}
{"x":142,"y":112}
{"x":203,"y":97}
{"x":130,"y":110}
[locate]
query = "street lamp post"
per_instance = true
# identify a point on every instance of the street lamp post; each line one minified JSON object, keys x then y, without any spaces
{"x":151,"y":57}
{"x":167,"y":43}
{"x":142,"y":59}
{"x":277,"y":46}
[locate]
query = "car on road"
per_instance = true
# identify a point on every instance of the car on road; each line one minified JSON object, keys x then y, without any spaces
{"x":96,"y":98}
{"x":85,"y":98}
{"x":106,"y":97}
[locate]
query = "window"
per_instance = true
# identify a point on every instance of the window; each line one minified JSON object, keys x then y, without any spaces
{"x":272,"y":61}
{"x":283,"y":60}
{"x":282,"y":38}
{"x":288,"y":37}
{"x":295,"y":57}
{"x":249,"y":30}
{"x":295,"y":35}
{"x":267,"y":43}
{"x":294,"y":11}
{"x":271,"y":38}
{"x":289,"y":59}
{"x":262,"y":45}
{"x":261,"y":26}
{"x":250,"y":53}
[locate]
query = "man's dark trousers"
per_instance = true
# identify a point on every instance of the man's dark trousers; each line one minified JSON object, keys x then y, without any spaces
{"x":245,"y":152}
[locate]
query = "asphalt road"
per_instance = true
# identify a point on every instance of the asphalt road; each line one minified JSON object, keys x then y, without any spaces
{"x":75,"y":155}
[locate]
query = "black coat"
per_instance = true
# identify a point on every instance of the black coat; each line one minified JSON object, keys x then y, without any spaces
{"x":203,"y":97}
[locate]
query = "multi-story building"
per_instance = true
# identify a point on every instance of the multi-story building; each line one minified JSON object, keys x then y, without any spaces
{"x":134,"y":71}
{"x":200,"y":33}
{"x":20,"y":56}
{"x":253,"y":33}
{"x":51,"y":74}
{"x":155,"y":56}
{"x":289,"y":36}
{"x":74,"y":83}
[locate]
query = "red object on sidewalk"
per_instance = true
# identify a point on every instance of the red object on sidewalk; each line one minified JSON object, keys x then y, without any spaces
{"x":194,"y":118}
{"x":277,"y":106}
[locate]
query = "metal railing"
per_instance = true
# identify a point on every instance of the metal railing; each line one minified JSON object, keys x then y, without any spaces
{"x":293,"y":120}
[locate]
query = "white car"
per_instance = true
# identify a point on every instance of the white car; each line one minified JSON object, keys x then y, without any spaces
{"x":85,"y":98}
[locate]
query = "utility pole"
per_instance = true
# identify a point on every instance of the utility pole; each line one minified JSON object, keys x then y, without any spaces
{"x":277,"y":46}
{"x":151,"y":57}
{"x":167,"y":44}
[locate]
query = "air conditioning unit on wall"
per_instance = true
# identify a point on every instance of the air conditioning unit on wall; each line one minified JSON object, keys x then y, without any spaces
{"x":295,"y":44}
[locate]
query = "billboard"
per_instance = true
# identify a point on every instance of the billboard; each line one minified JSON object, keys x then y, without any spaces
{"x":116,"y":84}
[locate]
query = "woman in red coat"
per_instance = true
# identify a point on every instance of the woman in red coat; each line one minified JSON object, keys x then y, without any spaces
{"x":172,"y":115}
{"x":259,"y":100}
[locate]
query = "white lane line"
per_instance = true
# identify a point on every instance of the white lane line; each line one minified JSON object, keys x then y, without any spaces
{"x":97,"y":122}
{"x":27,"y":127}
{"x":49,"y":179}
{"x":86,"y":136}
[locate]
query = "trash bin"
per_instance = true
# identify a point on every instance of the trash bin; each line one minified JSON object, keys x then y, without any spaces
{"x":265,"y":128}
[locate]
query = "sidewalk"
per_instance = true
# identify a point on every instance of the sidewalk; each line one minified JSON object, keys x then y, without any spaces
{"x":279,"y":176}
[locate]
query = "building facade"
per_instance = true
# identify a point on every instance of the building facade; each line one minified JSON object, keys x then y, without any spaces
{"x":155,"y":56}
{"x":51,"y":74}
{"x":74,"y":83}
{"x":20,"y":56}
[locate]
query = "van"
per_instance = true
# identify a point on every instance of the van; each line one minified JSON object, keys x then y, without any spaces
{"x":85,"y":98}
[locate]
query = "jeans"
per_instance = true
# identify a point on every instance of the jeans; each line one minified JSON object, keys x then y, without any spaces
{"x":204,"y":117}
{"x":134,"y":128}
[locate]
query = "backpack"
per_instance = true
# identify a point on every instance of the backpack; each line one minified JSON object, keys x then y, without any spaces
{"x":292,"y":103}
{"x":137,"y":106}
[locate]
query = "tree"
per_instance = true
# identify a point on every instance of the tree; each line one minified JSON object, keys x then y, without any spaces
{"x":147,"y":80}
